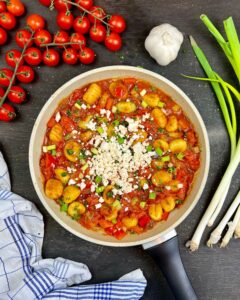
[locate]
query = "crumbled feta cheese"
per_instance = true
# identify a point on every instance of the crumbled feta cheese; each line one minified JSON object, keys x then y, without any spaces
{"x":170,"y":165}
{"x":71,"y":182}
{"x":71,"y":170}
{"x":145,"y":186}
{"x":126,"y":209}
{"x":101,"y":200}
{"x":58,"y":117}
{"x":83,"y":106}
{"x":145,"y":117}
{"x":45,"y":150}
{"x":180,"y":185}
{"x":143,"y":92}
{"x":98,"y":205}
{"x":93,"y":188}
{"x":91,"y":125}
{"x":82,"y":185}
{"x":167,"y":187}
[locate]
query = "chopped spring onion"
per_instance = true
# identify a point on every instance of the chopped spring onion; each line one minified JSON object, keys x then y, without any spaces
{"x":114,"y":109}
{"x":94,"y":151}
{"x":78,"y":105}
{"x":117,"y":204}
{"x":159,"y":151}
{"x":161,"y":104}
{"x":114,"y":221}
{"x":165,"y":158}
{"x":142,"y":204}
{"x":54,"y":152}
{"x":98,"y":179}
{"x":100,"y":130}
{"x":149,"y":148}
{"x":116,"y":122}
{"x":120,"y":140}
{"x":180,"y":156}
{"x":152,"y":195}
{"x":84,"y":168}
{"x":100,"y":189}
{"x":144,"y":104}
{"x":49,"y":148}
{"x":64,"y":207}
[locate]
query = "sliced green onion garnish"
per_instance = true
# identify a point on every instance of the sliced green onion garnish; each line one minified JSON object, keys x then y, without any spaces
{"x":144,"y":104}
{"x":117,"y":204}
{"x":83,"y":168}
{"x":142,"y":204}
{"x":120,"y":140}
{"x":161,"y":104}
{"x":116,"y":122}
{"x":165,"y":158}
{"x":64,"y":207}
{"x":100,"y":189}
{"x":54,"y":152}
{"x":152,"y":195}
{"x":114,"y":221}
{"x":159,"y":151}
{"x":149,"y":148}
{"x":100,"y":130}
{"x":180,"y":155}
{"x":98,"y":179}
{"x":94,"y":151}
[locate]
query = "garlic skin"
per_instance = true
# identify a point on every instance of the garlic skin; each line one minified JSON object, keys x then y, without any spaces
{"x":163,"y":43}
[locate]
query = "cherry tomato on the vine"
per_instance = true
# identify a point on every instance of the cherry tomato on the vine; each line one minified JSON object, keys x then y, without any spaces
{"x":2,"y":92}
{"x":61,"y":37}
{"x":87,"y":56}
{"x":3,"y":6}
{"x":98,"y":33}
{"x":113,"y":41}
{"x":87,"y":4}
{"x":33,"y":56}
{"x":15,"y":7}
{"x":17,"y":94}
{"x":79,"y":39}
{"x":65,"y":20}
{"x":81,"y":24}
{"x":51,"y":57}
{"x":25,"y":74}
{"x":7,"y":20}
{"x":42,"y":36}
{"x":5,"y":76}
{"x":7,"y":112}
{"x":62,"y":5}
{"x":23,"y":37}
{"x":12,"y":57}
{"x":45,"y":2}
{"x":117,"y":23}
{"x":3,"y":36}
{"x":35,"y":22}
{"x":70,"y":56}
{"x":97,"y":12}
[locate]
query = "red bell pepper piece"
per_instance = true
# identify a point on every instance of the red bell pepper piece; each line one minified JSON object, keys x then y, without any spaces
{"x":143,"y":221}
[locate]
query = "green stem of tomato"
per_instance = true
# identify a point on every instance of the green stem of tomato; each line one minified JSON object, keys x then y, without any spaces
{"x":59,"y":44}
{"x":2,"y":100}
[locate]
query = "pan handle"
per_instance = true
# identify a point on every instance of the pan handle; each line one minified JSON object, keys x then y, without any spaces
{"x":167,"y":256}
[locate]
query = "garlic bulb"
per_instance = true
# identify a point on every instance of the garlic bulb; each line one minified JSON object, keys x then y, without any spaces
{"x":163,"y":43}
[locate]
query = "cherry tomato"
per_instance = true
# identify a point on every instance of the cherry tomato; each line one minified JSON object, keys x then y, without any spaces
{"x":117,"y":23}
{"x":25,"y":74}
{"x":33,"y":56}
{"x":81,"y":25}
{"x":42,"y":36}
{"x":87,"y":4}
{"x":17,"y":94}
{"x":35,"y":22}
{"x":5,"y":76}
{"x":2,"y":92}
{"x":3,"y":6}
{"x":51,"y":57}
{"x":61,"y":37}
{"x":12,"y":57}
{"x":7,"y":112}
{"x":7,"y":20}
{"x":86,"y":56}
{"x":98,"y":33}
{"x":45,"y":2}
{"x":97,"y":12}
{"x":61,"y":5}
{"x":65,"y":20}
{"x":113,"y":41}
{"x":78,"y":38}
{"x":15,"y":7}
{"x":23,"y":37}
{"x":70,"y":56}
{"x":3,"y":36}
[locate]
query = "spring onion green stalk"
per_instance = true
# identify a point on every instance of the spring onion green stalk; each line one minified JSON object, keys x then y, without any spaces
{"x":223,"y":91}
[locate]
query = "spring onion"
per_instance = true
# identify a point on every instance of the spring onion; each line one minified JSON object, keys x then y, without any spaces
{"x":223,"y":91}
{"x":159,"y":151}
{"x":152,"y":195}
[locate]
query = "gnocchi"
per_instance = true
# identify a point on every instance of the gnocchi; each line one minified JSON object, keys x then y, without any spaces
{"x":54,"y":189}
{"x":71,"y":193}
{"x":92,"y":94}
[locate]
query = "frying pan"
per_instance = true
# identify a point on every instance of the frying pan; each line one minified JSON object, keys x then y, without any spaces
{"x":161,"y":241}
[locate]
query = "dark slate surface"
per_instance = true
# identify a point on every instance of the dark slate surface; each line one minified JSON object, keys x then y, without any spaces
{"x":214,"y":272}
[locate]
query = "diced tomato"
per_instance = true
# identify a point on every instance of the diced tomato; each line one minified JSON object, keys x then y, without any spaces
{"x":50,"y":160}
{"x":105,"y":224}
{"x":165,"y":216}
{"x":143,"y":221}
{"x":119,"y":234}
{"x":184,"y":124}
{"x":51,"y":122}
{"x":192,"y":140}
{"x":130,"y":82}
{"x":109,"y":103}
{"x":137,"y":229}
{"x":109,"y":230}
{"x":67,"y":123}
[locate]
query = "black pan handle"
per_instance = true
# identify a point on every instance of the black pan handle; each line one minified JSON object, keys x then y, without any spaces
{"x":167,"y":256}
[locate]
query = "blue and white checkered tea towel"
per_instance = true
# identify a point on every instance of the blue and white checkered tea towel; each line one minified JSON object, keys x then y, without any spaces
{"x":24,"y":275}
